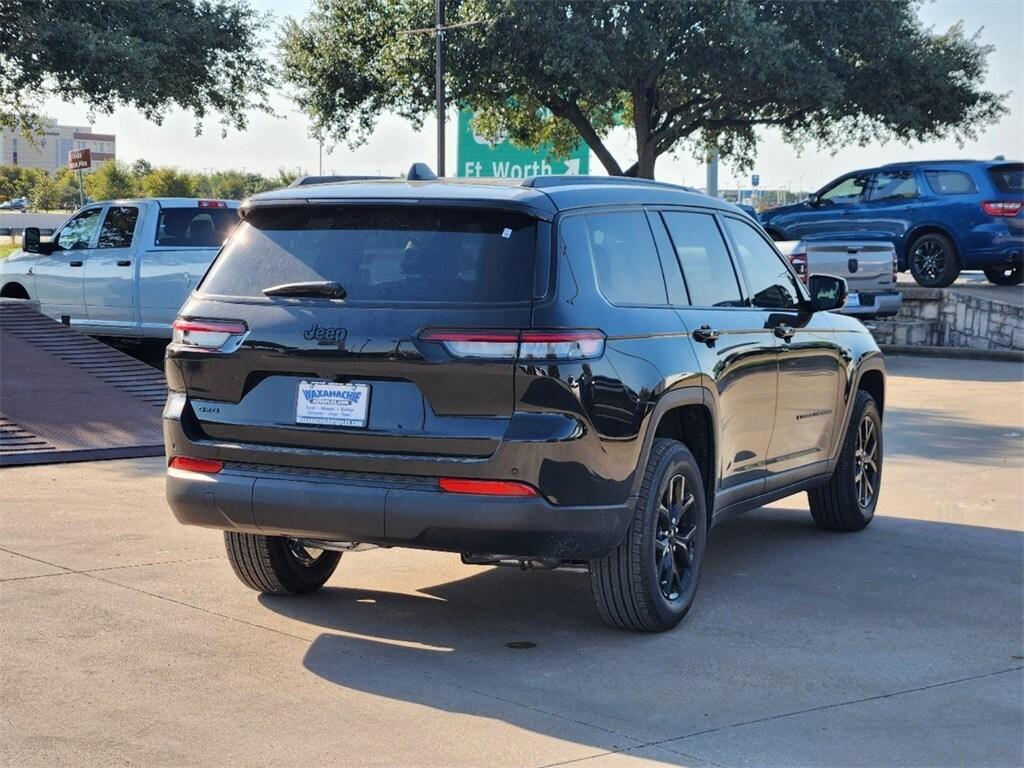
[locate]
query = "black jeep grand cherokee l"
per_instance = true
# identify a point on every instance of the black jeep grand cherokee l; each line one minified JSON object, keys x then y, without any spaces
{"x":562,"y":371}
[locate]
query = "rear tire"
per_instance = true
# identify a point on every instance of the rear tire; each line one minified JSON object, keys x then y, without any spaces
{"x":847,"y":501}
{"x":649,"y":582}
{"x":1005,"y":275}
{"x":934,"y":262}
{"x":276,"y":565}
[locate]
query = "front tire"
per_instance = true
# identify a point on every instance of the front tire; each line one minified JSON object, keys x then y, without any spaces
{"x":934,"y":262}
{"x":276,"y":565}
{"x":1005,"y":275}
{"x":847,"y":501}
{"x":648,"y":584}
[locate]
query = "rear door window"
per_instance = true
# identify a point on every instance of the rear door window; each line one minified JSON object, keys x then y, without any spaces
{"x":707,"y":268}
{"x":195,"y":227}
{"x":118,"y":227}
{"x":1008,"y":178}
{"x":893,"y":185}
{"x":383,"y":254}
{"x":626,"y":259}
{"x":950,"y":182}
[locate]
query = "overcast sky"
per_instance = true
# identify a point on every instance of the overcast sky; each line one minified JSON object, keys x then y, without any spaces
{"x":273,"y":143}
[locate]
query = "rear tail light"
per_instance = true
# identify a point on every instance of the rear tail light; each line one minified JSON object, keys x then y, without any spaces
{"x":206,"y":466}
{"x":486,"y":487}
{"x":208,"y":335}
{"x":520,"y":345}
{"x":1002,"y":207}
{"x":799,"y":262}
{"x":212,"y":204}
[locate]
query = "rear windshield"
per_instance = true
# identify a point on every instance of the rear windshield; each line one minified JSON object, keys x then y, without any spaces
{"x":195,"y":227}
{"x":1008,"y":178}
{"x":382,"y":254}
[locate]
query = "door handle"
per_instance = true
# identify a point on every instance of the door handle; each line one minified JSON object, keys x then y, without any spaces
{"x":123,"y":263}
{"x":74,"y":263}
{"x":784,"y":331}
{"x":706,"y":334}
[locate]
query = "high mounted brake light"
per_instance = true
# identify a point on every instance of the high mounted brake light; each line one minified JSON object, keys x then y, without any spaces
{"x":213,"y":204}
{"x":208,"y":335}
{"x":1002,"y":207}
{"x":519,"y":345}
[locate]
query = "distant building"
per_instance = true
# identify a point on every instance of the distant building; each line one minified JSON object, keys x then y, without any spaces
{"x":49,"y":150}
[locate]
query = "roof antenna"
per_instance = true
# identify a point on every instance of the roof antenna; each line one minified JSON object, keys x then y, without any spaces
{"x":420,"y":172}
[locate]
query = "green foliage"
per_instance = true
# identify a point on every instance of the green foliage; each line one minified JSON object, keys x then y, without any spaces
{"x":168,"y":182}
{"x":681,"y":73}
{"x":16,"y":181}
{"x":110,"y":181}
{"x":202,"y":56}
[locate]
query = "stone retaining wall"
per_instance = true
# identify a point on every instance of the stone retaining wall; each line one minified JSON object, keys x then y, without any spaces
{"x":946,"y":317}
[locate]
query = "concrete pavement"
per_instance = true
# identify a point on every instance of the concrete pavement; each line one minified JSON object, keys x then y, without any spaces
{"x":126,"y":639}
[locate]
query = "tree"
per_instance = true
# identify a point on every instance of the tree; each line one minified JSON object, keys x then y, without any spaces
{"x":199,"y":55}
{"x":168,"y":182}
{"x":110,"y":181}
{"x":680,"y":73}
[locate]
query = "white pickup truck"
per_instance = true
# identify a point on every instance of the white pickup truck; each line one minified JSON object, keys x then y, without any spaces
{"x":121,"y":268}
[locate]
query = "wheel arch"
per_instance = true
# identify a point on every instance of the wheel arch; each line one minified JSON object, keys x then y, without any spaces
{"x":12,"y":289}
{"x":686,"y":415}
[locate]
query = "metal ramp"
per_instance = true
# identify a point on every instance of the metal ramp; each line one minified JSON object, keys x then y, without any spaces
{"x":67,"y":397}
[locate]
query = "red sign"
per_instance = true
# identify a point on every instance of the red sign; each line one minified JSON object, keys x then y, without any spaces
{"x":79,"y":158}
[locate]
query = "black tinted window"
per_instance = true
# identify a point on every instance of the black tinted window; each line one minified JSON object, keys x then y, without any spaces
{"x":771,"y":284}
{"x":383,"y":254}
{"x":707,"y":269}
{"x":950,"y":182}
{"x":1008,"y":178}
{"x":195,"y":227}
{"x":625,"y":258}
{"x":119,"y":227}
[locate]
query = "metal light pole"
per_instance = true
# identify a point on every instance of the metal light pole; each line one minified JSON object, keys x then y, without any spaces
{"x":439,"y":80}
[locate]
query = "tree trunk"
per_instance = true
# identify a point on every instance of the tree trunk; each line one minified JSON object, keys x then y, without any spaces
{"x":644,"y":166}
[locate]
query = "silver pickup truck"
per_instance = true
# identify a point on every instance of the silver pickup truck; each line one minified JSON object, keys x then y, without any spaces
{"x":868,"y":266}
{"x":121,"y":268}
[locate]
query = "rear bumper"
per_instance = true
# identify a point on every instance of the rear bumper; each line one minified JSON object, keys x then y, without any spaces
{"x":872,"y":304}
{"x":393,"y":511}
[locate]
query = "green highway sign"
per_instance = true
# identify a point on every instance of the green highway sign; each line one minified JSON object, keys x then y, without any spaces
{"x":505,"y":160}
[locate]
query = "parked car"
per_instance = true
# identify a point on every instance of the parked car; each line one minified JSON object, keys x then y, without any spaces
{"x":17,"y":204}
{"x":121,"y":268}
{"x":867,"y":265}
{"x":943,"y":216}
{"x":557,"y":371}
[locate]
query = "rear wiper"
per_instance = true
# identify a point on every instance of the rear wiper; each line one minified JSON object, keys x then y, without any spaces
{"x":315,"y":289}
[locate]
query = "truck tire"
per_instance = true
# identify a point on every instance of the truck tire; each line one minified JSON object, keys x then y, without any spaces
{"x":1005,"y":275}
{"x":649,"y":582}
{"x":847,"y":501}
{"x":933,"y":260}
{"x":276,"y":565}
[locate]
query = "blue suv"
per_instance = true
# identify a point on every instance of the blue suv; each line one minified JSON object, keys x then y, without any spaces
{"x":942,"y":216}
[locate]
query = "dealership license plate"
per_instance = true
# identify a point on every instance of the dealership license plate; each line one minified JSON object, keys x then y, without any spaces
{"x":331,"y":404}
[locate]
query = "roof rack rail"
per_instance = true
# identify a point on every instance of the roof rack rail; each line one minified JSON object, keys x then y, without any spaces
{"x":543,"y":182}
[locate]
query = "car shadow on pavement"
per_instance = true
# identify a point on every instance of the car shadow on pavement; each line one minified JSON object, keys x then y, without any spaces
{"x":788,"y":617}
{"x":944,"y":437}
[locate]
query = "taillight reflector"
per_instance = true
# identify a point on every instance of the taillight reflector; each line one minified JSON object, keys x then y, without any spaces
{"x":208,"y":335}
{"x":799,"y":262}
{"x":521,"y":345}
{"x":1002,"y":207}
{"x":206,"y":466}
{"x":486,"y":487}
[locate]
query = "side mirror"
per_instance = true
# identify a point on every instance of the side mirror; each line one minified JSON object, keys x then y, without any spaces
{"x":813,"y":200}
{"x":30,"y":240}
{"x":827,"y":292}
